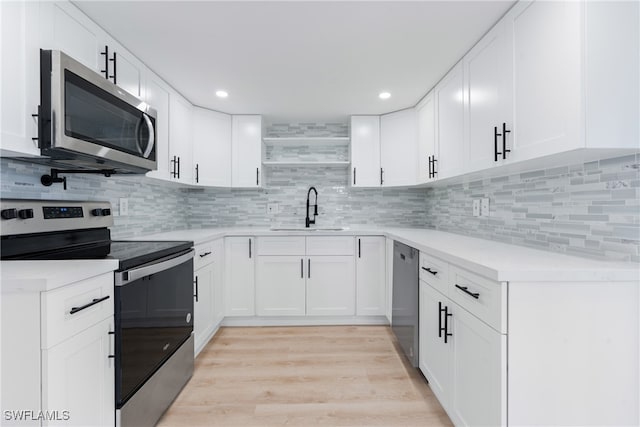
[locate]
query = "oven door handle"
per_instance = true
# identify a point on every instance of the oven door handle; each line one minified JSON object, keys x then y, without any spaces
{"x":124,"y":277}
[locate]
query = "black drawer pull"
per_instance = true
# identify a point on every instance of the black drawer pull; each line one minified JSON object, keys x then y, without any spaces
{"x":446,"y":324}
{"x":440,"y":328}
{"x":428,"y":270}
{"x":205,"y":254}
{"x":466,"y":291}
{"x":95,"y":301}
{"x":196,"y":294}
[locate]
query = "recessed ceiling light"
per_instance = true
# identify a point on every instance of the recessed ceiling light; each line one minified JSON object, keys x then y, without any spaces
{"x":384,"y":95}
{"x":221,"y":94}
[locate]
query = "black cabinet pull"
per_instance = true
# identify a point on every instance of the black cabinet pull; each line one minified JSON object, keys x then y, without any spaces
{"x":301,"y":268}
{"x":205,"y":254}
{"x":94,"y":301}
{"x":446,"y":324}
{"x":196,"y":294}
{"x":106,"y":62}
{"x":359,"y":250}
{"x":428,"y":270}
{"x":249,"y":248}
{"x":115,"y":63}
{"x":309,"y":268}
{"x":197,"y":173}
{"x":430,"y":173}
{"x":440,"y":328}
{"x":381,"y":178}
{"x":257,"y":176}
{"x":466,"y":291}
{"x":433,"y":162}
{"x":178,"y":167}
{"x":496,"y":153}
{"x":354,"y":176}
{"x":504,"y":141}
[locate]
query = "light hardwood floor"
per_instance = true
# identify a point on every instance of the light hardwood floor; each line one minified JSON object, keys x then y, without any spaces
{"x":305,"y":376}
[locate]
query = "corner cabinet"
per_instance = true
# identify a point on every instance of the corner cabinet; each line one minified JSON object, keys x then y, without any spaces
{"x":246,"y":151}
{"x":239,"y":284}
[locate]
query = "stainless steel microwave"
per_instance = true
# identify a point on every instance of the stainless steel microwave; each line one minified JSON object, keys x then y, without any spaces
{"x":88,"y":122}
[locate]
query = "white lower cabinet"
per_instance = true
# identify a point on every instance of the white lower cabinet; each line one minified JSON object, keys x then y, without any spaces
{"x":331,"y":286}
{"x":59,"y":360}
{"x":78,"y":378}
{"x":478,"y":370}
{"x":290,"y":281}
{"x":208,"y":293}
{"x":370,"y":276}
{"x":239,"y":294}
{"x":280,"y":287}
{"x":464,"y":360}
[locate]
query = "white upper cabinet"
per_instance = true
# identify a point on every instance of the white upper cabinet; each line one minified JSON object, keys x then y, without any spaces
{"x":125,"y":70}
{"x":246,"y":151}
{"x":211,"y":148}
{"x":449,"y":97}
{"x":398,"y":148}
{"x":576,"y":83}
{"x":19,"y":68}
{"x":365,"y":151}
{"x":64,"y":27}
{"x":488,"y":93}
{"x":157,"y":96}
{"x":427,"y":147}
{"x":546,"y":70}
{"x":180,"y":139}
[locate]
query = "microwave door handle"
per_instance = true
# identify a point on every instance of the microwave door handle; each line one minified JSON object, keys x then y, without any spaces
{"x":124,"y":277}
{"x":152,"y":136}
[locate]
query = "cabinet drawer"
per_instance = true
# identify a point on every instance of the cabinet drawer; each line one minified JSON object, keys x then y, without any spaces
{"x":330,"y":245}
{"x":482,"y":297}
{"x":435,"y":272}
{"x":58,"y":322}
{"x":204,"y":255}
{"x":280,"y":245}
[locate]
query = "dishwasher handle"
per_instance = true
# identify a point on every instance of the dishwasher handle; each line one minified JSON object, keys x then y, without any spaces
{"x":124,"y":277}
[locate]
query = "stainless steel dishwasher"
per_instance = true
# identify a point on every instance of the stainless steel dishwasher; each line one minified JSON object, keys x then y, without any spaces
{"x":405,"y":303}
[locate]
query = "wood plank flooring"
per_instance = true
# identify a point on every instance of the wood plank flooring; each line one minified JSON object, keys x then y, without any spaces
{"x":305,"y":376}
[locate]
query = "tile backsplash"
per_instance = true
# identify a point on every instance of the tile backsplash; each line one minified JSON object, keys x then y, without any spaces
{"x":588,"y":209}
{"x":154,"y":206}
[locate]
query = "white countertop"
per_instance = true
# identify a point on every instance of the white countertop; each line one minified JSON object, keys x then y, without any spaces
{"x":494,"y":260}
{"x":40,"y":276}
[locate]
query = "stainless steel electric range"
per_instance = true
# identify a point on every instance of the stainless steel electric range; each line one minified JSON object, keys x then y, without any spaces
{"x":153,"y":307}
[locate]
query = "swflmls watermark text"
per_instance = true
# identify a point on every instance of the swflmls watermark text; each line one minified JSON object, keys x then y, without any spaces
{"x":31,"y":415}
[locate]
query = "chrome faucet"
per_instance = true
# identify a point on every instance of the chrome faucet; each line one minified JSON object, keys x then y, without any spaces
{"x":309,"y":221}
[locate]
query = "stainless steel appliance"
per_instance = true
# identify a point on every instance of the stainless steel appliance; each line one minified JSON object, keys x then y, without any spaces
{"x":86,"y":121}
{"x":153,"y":296}
{"x":405,"y":304}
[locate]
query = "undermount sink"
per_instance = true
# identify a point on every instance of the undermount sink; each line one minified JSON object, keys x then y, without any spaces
{"x":308,"y":229}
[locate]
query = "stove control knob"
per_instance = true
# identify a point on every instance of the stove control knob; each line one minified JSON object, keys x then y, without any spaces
{"x":96,"y":212}
{"x":25,"y":213}
{"x":9,"y":213}
{"x":106,"y":212}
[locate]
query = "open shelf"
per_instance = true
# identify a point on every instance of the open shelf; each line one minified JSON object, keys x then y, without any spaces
{"x":311,"y":140}
{"x":336,"y":163}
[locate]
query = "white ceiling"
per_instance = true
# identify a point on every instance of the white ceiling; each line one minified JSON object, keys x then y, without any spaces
{"x":297,"y":61}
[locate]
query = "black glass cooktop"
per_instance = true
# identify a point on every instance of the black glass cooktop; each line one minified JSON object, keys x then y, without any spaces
{"x":135,"y":253}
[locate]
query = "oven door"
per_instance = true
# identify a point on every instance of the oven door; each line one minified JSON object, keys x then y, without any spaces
{"x":153,"y":317}
{"x":86,"y":118}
